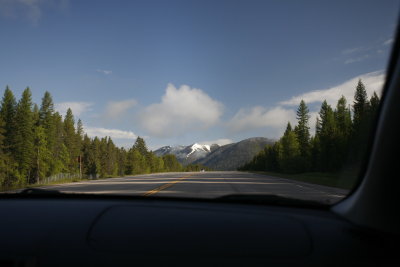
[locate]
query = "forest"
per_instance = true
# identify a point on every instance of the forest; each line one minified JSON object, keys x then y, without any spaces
{"x":339,"y":143}
{"x":37,"y":142}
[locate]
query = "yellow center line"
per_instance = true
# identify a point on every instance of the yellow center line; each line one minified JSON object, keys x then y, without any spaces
{"x":158,"y":189}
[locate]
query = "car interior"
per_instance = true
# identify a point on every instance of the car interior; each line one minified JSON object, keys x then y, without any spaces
{"x":48,"y":228}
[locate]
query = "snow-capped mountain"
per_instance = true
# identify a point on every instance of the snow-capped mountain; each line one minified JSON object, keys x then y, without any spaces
{"x":216,"y":157}
{"x":199,"y":149}
{"x":187,"y":154}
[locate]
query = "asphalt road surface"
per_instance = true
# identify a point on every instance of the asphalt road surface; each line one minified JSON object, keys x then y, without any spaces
{"x":203,"y":185}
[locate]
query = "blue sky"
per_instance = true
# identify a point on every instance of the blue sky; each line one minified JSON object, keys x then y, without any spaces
{"x":179,"y":72}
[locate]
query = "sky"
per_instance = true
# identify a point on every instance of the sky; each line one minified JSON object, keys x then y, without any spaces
{"x":180,"y":72}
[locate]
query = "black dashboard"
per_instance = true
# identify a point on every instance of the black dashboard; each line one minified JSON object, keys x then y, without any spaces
{"x":93,"y":231}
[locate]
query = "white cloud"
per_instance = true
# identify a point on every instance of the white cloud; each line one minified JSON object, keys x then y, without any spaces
{"x":113,"y":133}
{"x":388,"y":41}
{"x":373,"y":81}
{"x":354,"y":50}
{"x":181,"y":110}
{"x":260,"y":117}
{"x":356,"y":59}
{"x":105,"y":72}
{"x":77,"y":107}
{"x":221,"y":142}
{"x":115,"y":109}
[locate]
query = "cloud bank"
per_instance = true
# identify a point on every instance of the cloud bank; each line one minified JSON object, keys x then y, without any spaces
{"x":221,"y":142}
{"x":77,"y":107}
{"x":181,"y":110}
{"x":115,"y":109}
{"x":247,"y":119}
{"x":373,"y":81}
{"x":113,"y":133}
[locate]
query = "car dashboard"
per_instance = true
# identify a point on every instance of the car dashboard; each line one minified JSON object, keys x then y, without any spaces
{"x":89,"y":230}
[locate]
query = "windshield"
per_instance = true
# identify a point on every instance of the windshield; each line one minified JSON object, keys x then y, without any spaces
{"x":199,"y":99}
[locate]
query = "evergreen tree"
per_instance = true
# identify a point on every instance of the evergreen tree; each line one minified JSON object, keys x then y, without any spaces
{"x":374,"y":106}
{"x":361,"y":124}
{"x":303,"y":135}
{"x":94,"y":165}
{"x":86,"y":155}
{"x":121,"y":161}
{"x":171,"y":164}
{"x":290,"y":150}
{"x":79,"y":140}
{"x":24,"y":134}
{"x":41,"y":155}
{"x":360,"y":106}
{"x":343,"y":117}
{"x":46,"y":109}
{"x":60,"y":153}
{"x":70,"y":141}
{"x":140,"y":145}
{"x":4,"y":160}
{"x":46,"y":120}
{"x":344,"y":128}
{"x":138,"y":162}
{"x":326,"y":137}
{"x":7,"y":114}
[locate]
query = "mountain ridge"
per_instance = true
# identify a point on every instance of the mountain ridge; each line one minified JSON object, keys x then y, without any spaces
{"x":216,"y":157}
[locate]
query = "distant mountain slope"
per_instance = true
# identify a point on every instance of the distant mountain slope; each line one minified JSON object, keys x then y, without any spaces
{"x":232,"y":156}
{"x":187,"y":154}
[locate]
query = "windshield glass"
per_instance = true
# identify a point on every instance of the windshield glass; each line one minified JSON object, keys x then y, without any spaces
{"x":199,"y":99}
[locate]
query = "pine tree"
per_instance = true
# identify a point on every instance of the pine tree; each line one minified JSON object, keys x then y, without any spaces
{"x":274,"y":156}
{"x":122,"y":161}
{"x":290,"y":150}
{"x":79,"y":140}
{"x":303,"y":135}
{"x":360,"y":106}
{"x":112,"y":158}
{"x":86,"y":155}
{"x":103,"y":157}
{"x":140,"y":145}
{"x":4,"y":169}
{"x":344,"y":127}
{"x":343,"y":117}
{"x":158,"y":164}
{"x":94,"y":165}
{"x":41,"y":155}
{"x":326,"y":137}
{"x":79,"y":129}
{"x":46,"y":109}
{"x":361,"y":124}
{"x":24,"y":134}
{"x":60,"y":153}
{"x":46,"y":120}
{"x":138,"y":162}
{"x":7,"y":114}
{"x":171,"y":164}
{"x":374,"y":105}
{"x":70,"y":141}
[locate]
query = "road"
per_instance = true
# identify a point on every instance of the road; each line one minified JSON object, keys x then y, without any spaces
{"x":203,"y":185}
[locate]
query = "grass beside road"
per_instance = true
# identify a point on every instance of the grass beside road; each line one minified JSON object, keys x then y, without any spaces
{"x":345,"y":180}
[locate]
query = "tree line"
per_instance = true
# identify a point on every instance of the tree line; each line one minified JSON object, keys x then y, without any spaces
{"x":339,"y":142}
{"x":37,"y":142}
